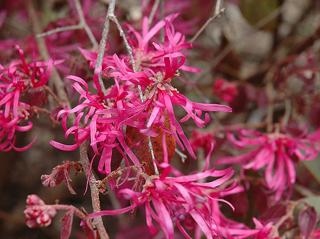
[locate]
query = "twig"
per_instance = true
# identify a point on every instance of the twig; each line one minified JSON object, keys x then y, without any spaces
{"x":183,"y":157}
{"x":270,"y":96}
{"x":60,"y":29}
{"x":287,"y":114}
{"x":102,"y":45}
{"x":94,"y":191}
{"x":63,"y":207}
{"x":82,"y":24}
{"x":153,"y":11}
{"x":284,"y":218}
{"x":217,"y":13}
{"x":54,"y":96}
{"x":125,"y":41}
{"x":37,"y":110}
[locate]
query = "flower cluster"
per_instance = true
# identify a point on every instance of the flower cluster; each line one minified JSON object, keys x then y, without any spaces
{"x":21,"y":88}
{"x":275,"y":153}
{"x":189,"y":203}
{"x":37,"y":213}
{"x":125,"y":106}
{"x":101,"y":118}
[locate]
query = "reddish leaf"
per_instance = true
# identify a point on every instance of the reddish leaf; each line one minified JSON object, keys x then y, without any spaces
{"x":66,"y":225}
{"x":139,"y":145}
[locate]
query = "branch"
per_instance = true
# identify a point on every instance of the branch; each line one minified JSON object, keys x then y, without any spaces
{"x":289,"y":214}
{"x":287,"y":112}
{"x":153,"y":11}
{"x":183,"y":157}
{"x":270,"y":95}
{"x":62,"y":207}
{"x":94,"y":191}
{"x":218,"y":11}
{"x":102,"y":46}
{"x":82,"y":25}
{"x":60,"y":29}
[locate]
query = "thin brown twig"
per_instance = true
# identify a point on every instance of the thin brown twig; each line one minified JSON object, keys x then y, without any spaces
{"x":63,"y":207}
{"x":54,"y":96}
{"x":93,"y":190}
{"x":153,"y":11}
{"x":82,"y":25}
{"x":270,"y":95}
{"x":102,"y":45}
{"x":304,"y":191}
{"x":284,"y":218}
{"x":60,"y":29}
{"x":287,"y":113}
{"x":218,"y":11}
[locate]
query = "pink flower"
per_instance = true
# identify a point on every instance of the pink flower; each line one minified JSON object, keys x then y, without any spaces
{"x":274,"y":153}
{"x":158,"y":65}
{"x":185,"y":202}
{"x":37,"y":213}
{"x":20,"y":80}
{"x":161,"y":96}
{"x":149,"y":52}
{"x":100,"y":120}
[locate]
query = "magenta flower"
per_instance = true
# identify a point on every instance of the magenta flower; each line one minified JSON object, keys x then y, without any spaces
{"x":184,"y":202}
{"x":160,"y":98}
{"x":149,"y":52}
{"x":20,"y":80}
{"x":100,"y":120}
{"x":274,"y":153}
{"x":262,"y":231}
{"x":158,"y":65}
